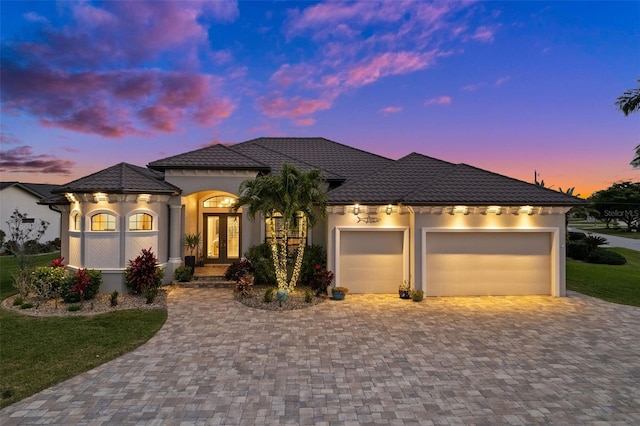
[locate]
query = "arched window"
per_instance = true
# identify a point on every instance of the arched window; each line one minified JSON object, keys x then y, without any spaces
{"x":103,"y":222}
{"x":140,"y":222}
{"x":224,"y":201}
{"x":75,"y":221}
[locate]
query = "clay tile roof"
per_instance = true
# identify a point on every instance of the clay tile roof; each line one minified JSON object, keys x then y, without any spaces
{"x":215,"y":157}
{"x":394,"y":182}
{"x":122,"y":178}
{"x":324,"y":154}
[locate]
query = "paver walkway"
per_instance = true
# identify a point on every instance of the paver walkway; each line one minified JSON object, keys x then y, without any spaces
{"x":369,"y":359}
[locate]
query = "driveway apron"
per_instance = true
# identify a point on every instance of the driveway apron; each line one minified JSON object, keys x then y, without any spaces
{"x":370,"y":359}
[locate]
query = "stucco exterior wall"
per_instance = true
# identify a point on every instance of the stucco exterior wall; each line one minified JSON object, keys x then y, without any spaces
{"x":13,"y":197}
{"x":110,"y":251}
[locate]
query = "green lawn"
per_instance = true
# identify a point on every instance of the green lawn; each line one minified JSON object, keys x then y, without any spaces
{"x":36,"y":353}
{"x":8,"y":267}
{"x":617,"y":284}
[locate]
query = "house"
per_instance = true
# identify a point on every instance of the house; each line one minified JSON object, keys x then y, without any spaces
{"x":25,"y":197}
{"x":452,"y":229}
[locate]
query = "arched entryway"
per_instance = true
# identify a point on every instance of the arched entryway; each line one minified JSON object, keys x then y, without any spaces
{"x":221,"y":229}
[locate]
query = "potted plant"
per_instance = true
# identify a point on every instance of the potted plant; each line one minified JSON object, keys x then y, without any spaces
{"x":338,"y":293}
{"x":404,"y":290}
{"x":191,"y":243}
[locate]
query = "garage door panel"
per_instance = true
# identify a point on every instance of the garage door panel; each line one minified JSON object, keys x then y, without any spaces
{"x":479,"y":264}
{"x":371,"y":261}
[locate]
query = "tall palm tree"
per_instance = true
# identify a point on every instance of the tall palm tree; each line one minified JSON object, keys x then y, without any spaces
{"x":636,"y":160}
{"x":299,"y":198}
{"x":629,"y":102}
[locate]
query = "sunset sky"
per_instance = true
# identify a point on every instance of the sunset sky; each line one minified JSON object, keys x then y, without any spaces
{"x":511,"y":87}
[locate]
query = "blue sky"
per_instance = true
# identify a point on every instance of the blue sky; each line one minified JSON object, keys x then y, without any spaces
{"x":512,"y":87}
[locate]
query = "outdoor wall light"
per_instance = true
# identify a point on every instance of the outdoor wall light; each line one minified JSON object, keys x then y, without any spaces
{"x":144,"y":197}
{"x":356,"y":209}
{"x":100,"y":196}
{"x":526,"y":210}
{"x":460,"y":209}
{"x":389,"y":209}
{"x":70,"y":197}
{"x":494,"y":209}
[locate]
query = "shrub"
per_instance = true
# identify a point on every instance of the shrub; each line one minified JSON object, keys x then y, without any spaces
{"x":89,"y":281}
{"x":606,"y":257}
{"x":417,"y":295}
{"x":114,"y":298}
{"x":261,"y":258}
{"x":321,"y":281}
{"x":238,"y":270}
{"x":577,"y":236}
{"x":244,"y":286}
{"x":308,"y":296}
{"x":22,"y":282}
{"x":18,"y":301}
{"x":47,"y":281}
{"x":577,"y":250}
{"x":26,"y":306}
{"x":143,"y":273}
{"x":593,"y":242}
{"x":183,"y":274}
{"x":74,"y":308}
{"x":268,"y":295}
{"x":313,"y":256}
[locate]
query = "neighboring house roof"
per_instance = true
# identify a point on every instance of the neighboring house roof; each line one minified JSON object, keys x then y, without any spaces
{"x":38,"y":190}
{"x":214,"y":157}
{"x":123,"y":178}
{"x":324,"y":154}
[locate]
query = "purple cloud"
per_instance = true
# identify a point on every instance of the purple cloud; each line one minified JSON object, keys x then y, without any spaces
{"x":83,"y":76}
{"x":22,"y":159}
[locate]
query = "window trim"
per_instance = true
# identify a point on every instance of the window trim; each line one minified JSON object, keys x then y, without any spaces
{"x":98,"y":213}
{"x":137,"y":213}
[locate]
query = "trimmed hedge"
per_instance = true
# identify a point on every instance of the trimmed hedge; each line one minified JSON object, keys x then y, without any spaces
{"x":606,"y":257}
{"x":577,"y":250}
{"x":577,"y":236}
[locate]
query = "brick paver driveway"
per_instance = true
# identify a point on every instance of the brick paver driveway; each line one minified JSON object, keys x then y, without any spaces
{"x":368,"y":359}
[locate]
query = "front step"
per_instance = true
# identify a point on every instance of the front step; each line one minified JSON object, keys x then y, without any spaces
{"x":200,"y":283}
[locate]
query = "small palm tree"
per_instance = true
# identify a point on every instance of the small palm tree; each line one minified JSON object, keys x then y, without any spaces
{"x":299,"y":198}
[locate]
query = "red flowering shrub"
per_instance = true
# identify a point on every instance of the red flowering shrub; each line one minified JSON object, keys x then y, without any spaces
{"x":143,"y":276}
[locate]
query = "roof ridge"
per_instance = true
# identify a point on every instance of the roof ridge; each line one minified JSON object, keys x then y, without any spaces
{"x":296,"y":160}
{"x":255,"y":140}
{"x":518,"y":180}
{"x":243,"y":155}
{"x":85,"y":177}
{"x":435,"y":181}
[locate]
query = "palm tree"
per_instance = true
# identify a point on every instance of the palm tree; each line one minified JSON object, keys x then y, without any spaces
{"x":629,"y":101}
{"x":636,"y":160}
{"x":299,"y":198}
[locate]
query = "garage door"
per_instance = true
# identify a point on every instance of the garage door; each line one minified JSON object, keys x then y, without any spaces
{"x":488,"y":263}
{"x":371,"y":261}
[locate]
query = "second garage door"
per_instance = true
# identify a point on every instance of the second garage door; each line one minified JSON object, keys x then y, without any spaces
{"x":488,"y":263}
{"x":371,"y":261}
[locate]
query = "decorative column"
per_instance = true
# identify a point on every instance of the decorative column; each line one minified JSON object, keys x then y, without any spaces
{"x":175,"y":227}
